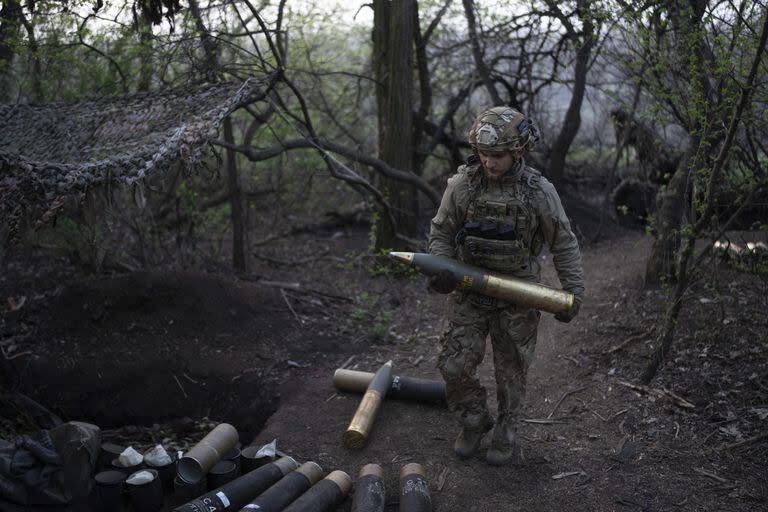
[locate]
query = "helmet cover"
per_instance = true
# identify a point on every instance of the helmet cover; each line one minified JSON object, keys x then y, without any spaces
{"x":503,"y":129}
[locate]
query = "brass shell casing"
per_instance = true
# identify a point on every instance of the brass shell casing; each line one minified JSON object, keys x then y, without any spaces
{"x":312,"y":471}
{"x":532,"y":295}
{"x":371,"y":469}
{"x":475,"y":279}
{"x":196,"y":463}
{"x":286,"y":464}
{"x":351,"y":380}
{"x":362,"y":421}
{"x":413,"y":468}
{"x":342,"y":480}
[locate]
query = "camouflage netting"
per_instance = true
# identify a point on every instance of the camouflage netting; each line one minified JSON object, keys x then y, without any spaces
{"x":51,"y":151}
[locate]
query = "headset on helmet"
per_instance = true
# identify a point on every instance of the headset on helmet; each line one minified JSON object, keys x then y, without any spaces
{"x":503,"y":129}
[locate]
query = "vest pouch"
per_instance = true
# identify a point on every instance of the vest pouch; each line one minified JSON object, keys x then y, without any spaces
{"x":499,"y":255}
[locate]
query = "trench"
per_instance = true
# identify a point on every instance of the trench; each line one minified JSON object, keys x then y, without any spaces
{"x":113,"y":397}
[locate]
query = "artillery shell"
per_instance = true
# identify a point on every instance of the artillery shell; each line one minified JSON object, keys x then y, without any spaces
{"x":233,"y":495}
{"x":414,"y":491}
{"x":287,"y":489}
{"x":325,"y":495}
{"x":406,"y":388}
{"x":362,"y":422}
{"x":204,"y":455}
{"x":503,"y":287}
{"x":370,"y":495}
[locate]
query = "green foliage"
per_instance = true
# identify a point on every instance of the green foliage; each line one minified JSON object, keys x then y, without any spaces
{"x":84,"y":243}
{"x":369,"y":312}
{"x":214,"y":220}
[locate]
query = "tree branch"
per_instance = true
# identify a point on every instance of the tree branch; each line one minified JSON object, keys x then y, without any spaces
{"x":375,"y":163}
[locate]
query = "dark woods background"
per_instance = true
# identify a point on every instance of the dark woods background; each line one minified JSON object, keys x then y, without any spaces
{"x":653,"y":116}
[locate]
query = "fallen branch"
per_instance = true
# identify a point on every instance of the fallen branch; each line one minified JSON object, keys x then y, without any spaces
{"x":542,"y":421}
{"x":295,"y":287}
{"x":277,"y":284}
{"x":631,"y":339}
{"x":288,"y":303}
{"x":662,"y":393}
{"x":598,"y":415}
{"x":745,"y":442}
{"x":14,"y":356}
{"x":441,"y":479}
{"x":180,"y":386}
{"x":567,"y":474}
{"x":710,"y":475}
{"x":565,"y":395}
{"x":616,"y":415}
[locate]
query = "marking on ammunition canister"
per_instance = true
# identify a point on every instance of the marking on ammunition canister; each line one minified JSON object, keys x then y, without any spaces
{"x":396,"y":383}
{"x":466,"y":282}
{"x":223,"y":498}
{"x":376,"y":487}
{"x":416,"y":485}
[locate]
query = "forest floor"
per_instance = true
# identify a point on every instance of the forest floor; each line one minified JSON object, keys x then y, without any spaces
{"x":161,"y":356}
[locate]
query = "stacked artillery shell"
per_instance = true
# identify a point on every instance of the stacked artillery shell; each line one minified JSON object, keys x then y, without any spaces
{"x":414,"y":491}
{"x":512,"y":289}
{"x":369,"y":494}
{"x":325,"y":495}
{"x":287,"y":489}
{"x":233,"y":495}
{"x":407,"y":388}
{"x":204,"y":455}
{"x":362,"y":422}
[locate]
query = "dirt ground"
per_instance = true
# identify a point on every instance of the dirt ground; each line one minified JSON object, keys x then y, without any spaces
{"x":160,"y":356}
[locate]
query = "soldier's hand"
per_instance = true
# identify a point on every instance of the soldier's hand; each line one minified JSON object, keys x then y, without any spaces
{"x":567,"y":316}
{"x":442,"y":282}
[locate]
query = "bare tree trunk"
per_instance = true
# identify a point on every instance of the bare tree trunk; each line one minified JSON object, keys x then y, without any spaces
{"x":10,"y":17}
{"x":210,"y":65}
{"x":239,"y":259}
{"x":210,"y":71}
{"x":661,"y":262}
{"x":685,"y":269}
{"x":686,"y":18}
{"x":477,"y":53}
{"x":34,"y":57}
{"x":393,"y":37}
{"x":145,"y":55}
{"x":425,"y":93}
{"x":572,"y":121}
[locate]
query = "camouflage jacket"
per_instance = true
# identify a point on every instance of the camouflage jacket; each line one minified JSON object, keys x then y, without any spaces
{"x":502,"y":225}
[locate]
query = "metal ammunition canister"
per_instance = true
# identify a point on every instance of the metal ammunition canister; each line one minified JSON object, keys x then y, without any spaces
{"x":370,"y":494}
{"x":406,"y":388}
{"x":223,"y":472}
{"x":233,"y":495}
{"x":287,"y":489}
{"x":362,"y":422}
{"x":325,"y":495}
{"x":414,"y":491}
{"x":503,"y":287}
{"x":194,"y":465}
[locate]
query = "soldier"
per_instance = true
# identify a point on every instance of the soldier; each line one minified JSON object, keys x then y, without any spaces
{"x":497,"y":213}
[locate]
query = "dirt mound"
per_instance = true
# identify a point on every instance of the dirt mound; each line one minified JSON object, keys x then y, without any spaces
{"x":148,"y":347}
{"x":174,"y":304}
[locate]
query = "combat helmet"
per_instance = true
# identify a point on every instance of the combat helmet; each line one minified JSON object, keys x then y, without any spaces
{"x":503,"y":129}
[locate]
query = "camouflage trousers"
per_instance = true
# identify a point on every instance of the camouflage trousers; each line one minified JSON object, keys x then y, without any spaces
{"x":462,"y":347}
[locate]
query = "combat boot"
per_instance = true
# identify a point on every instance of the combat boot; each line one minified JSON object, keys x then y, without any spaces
{"x":503,"y":445}
{"x":470,"y":436}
